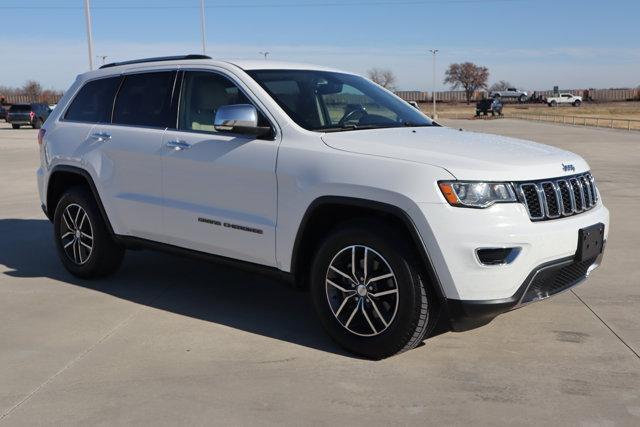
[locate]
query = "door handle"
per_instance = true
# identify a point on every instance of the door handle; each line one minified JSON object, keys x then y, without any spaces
{"x":178,"y":145}
{"x":101,"y":136}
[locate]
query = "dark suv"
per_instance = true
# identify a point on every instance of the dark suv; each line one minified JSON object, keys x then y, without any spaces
{"x":32,"y":115}
{"x":489,"y":105}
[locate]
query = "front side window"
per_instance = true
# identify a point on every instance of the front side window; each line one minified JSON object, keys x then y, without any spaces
{"x":329,"y":101}
{"x":94,"y":101}
{"x":145,"y":100}
{"x":202,"y":94}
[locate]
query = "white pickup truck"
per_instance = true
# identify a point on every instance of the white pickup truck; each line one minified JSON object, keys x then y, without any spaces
{"x":564,"y":98}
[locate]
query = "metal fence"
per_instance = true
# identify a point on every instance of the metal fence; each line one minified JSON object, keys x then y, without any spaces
{"x":24,"y":99}
{"x":599,"y":122}
{"x":587,"y":121}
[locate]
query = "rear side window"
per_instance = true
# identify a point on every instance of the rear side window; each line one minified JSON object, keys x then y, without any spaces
{"x":94,"y":102}
{"x":145,"y":100}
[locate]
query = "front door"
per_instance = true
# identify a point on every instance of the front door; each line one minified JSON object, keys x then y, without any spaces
{"x":219,"y":189}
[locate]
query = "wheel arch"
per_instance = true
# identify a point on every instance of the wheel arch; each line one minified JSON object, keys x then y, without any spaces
{"x":315,"y":224}
{"x":65,"y":176}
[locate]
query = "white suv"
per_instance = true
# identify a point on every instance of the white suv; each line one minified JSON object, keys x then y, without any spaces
{"x":392,"y":221}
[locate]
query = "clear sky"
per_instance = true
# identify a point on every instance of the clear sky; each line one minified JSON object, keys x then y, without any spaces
{"x":534,"y":44}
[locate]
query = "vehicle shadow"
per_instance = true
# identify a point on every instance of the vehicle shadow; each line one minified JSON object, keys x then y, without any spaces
{"x":219,"y":294}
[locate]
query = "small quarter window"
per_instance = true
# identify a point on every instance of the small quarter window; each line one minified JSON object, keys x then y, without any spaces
{"x":94,"y":101}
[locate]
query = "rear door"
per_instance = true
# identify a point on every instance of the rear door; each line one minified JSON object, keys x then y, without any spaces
{"x":131,"y":146}
{"x":219,"y":188}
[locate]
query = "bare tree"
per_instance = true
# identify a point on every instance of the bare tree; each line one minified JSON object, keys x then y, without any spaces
{"x":32,"y":89}
{"x":468,"y":75}
{"x":500,"y":86}
{"x":384,"y":78}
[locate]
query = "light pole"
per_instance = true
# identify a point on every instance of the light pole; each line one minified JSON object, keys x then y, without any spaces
{"x":265,"y":54}
{"x":202,"y":25}
{"x":87,"y":15}
{"x":433,"y":90}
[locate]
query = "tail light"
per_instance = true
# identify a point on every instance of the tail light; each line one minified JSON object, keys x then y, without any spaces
{"x":41,"y":133}
{"x":31,"y":115}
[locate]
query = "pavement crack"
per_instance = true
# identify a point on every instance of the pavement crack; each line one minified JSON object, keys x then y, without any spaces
{"x":83,"y":354}
{"x":607,"y":325}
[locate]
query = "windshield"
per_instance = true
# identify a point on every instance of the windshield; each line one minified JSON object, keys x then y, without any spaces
{"x":20,"y":108}
{"x":329,"y":102}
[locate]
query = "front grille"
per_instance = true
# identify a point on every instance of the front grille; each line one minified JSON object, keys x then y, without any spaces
{"x":556,"y":279}
{"x":558,"y":197}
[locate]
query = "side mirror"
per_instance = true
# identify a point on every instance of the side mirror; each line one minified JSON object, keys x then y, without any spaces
{"x":239,"y":118}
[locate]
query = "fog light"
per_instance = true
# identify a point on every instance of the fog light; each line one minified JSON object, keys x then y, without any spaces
{"x":497,"y":256}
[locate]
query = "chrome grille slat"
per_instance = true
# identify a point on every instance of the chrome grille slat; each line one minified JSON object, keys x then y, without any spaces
{"x":587,"y":189}
{"x":558,"y":197}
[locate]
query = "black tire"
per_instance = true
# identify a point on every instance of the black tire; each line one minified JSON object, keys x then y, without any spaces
{"x":553,"y":104}
{"x":15,"y":126}
{"x":577,"y":103}
{"x":37,"y":124}
{"x":415,"y":311}
{"x":105,"y":255}
{"x":522,"y":99}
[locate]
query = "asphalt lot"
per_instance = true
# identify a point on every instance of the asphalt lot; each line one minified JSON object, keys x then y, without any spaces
{"x":173,"y":341}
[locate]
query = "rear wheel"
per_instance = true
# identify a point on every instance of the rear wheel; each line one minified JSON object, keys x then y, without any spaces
{"x":370,"y":293}
{"x":84,"y":244}
{"x":37,"y":124}
{"x":15,"y":126}
{"x":553,"y":104}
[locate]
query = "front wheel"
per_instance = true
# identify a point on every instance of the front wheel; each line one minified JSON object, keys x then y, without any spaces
{"x":370,"y":292}
{"x":15,"y":126}
{"x":522,"y":99}
{"x":577,"y":103}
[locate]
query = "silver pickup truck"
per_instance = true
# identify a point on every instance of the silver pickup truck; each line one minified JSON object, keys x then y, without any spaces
{"x":510,"y":93}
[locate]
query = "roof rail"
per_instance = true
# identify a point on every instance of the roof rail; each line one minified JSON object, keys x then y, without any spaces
{"x":157,"y":59}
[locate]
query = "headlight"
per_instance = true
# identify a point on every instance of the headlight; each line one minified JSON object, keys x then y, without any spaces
{"x":477,"y":194}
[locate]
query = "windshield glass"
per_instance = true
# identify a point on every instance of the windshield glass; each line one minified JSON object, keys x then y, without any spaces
{"x":328,"y":101}
{"x":20,"y":108}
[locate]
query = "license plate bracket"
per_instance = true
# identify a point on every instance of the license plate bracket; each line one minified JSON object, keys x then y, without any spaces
{"x":590,"y":242}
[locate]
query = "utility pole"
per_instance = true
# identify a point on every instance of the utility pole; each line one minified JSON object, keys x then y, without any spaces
{"x":87,"y":15}
{"x":202,"y":24}
{"x":265,"y":54}
{"x":433,"y":90}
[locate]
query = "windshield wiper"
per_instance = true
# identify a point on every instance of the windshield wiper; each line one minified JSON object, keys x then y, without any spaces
{"x":416,"y":125}
{"x":355,"y":127}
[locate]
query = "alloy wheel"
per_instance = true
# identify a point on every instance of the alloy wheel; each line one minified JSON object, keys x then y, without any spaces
{"x":76,"y":234}
{"x":362,"y":290}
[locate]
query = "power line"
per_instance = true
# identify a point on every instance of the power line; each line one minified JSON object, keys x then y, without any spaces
{"x":33,"y":8}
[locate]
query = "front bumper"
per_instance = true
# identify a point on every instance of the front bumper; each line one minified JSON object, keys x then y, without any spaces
{"x":546,"y":280}
{"x":477,"y":292}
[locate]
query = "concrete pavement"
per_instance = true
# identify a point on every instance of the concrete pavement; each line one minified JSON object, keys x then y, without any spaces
{"x":171,"y":341}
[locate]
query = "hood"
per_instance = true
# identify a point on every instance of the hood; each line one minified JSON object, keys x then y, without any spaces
{"x":466,"y":155}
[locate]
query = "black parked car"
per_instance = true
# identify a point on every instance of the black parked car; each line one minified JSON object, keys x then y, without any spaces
{"x":32,"y":115}
{"x":489,"y":105}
